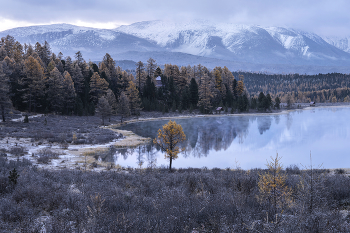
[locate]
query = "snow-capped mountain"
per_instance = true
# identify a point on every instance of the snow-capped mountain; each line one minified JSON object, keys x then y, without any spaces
{"x":271,"y":45}
{"x":342,"y":43}
{"x":68,"y":39}
{"x":239,"y":47}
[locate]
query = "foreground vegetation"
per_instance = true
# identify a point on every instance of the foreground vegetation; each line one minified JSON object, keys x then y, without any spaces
{"x":161,"y":201}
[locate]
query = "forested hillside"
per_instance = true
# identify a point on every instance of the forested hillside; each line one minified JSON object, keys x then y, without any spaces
{"x":34,"y":79}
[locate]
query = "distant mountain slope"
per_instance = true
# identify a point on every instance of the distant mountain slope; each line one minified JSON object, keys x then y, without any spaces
{"x":93,"y":43}
{"x":240,"y":42}
{"x":239,"y":47}
{"x":342,"y":43}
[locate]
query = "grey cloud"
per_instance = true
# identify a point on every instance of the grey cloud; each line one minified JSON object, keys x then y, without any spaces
{"x":319,"y":16}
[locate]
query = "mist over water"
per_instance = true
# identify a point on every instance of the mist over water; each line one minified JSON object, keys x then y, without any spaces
{"x":247,"y":141}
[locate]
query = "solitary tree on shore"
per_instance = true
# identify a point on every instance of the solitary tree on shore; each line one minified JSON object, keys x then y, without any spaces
{"x":168,"y":139}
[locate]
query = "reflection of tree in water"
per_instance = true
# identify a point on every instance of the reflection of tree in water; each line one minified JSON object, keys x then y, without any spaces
{"x":264,"y":124}
{"x":215,"y":133}
{"x":113,"y":153}
{"x":151,"y":153}
{"x":277,"y":119}
{"x":203,"y":135}
{"x":107,"y":156}
{"x":140,"y":152}
{"x":289,"y":120}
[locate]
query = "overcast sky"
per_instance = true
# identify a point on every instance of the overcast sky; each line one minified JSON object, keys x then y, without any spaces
{"x":323,"y":17}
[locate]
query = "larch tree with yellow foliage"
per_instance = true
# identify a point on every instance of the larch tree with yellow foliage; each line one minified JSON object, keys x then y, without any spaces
{"x":169,"y":138}
{"x":240,"y":85}
{"x":273,"y":189}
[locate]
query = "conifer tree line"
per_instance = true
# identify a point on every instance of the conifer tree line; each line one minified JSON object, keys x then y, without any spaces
{"x":320,"y":88}
{"x":34,"y":79}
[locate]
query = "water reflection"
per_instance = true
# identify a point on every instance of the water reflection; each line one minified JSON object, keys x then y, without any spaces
{"x":289,"y":120}
{"x":277,"y":119}
{"x":264,"y":124}
{"x":218,"y":141}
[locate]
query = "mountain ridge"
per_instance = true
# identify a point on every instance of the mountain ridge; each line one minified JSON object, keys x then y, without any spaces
{"x":257,"y":47}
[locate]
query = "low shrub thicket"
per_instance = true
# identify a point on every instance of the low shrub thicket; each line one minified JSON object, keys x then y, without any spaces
{"x":159,"y":201}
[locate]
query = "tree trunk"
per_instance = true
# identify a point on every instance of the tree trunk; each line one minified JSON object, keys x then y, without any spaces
{"x":171,"y":159}
{"x":3,"y":112}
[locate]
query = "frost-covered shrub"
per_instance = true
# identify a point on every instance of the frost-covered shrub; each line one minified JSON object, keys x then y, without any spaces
{"x":45,"y":155}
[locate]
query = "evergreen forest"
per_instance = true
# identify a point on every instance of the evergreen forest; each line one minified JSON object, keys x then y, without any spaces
{"x":34,"y":79}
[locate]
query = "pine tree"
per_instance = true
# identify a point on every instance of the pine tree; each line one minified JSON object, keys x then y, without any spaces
{"x":13,"y":177}
{"x":134,"y":98}
{"x":158,"y":72}
{"x":262,"y":101}
{"x":277,"y":102}
{"x":194,"y":93}
{"x":98,"y":87}
{"x":5,"y":102}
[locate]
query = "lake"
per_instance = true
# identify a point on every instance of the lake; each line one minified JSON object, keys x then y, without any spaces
{"x":247,"y":140}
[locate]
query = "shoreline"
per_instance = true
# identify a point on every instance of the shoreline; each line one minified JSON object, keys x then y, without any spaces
{"x":74,"y":156}
{"x":255,"y":113}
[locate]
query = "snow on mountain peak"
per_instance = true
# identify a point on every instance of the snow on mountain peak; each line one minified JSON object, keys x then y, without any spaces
{"x":225,"y":41}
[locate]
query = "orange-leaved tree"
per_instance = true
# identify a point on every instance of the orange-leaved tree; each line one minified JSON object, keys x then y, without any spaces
{"x":169,"y":138}
{"x":273,"y":189}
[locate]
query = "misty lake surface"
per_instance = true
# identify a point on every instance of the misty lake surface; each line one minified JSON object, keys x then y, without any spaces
{"x":247,"y":141}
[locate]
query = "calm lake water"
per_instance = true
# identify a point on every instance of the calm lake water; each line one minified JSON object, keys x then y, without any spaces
{"x":247,"y":141}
